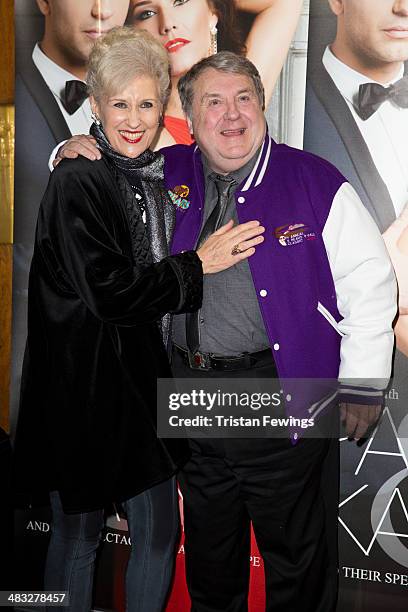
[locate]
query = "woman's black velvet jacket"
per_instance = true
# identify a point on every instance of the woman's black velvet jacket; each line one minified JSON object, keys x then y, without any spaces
{"x":87,"y":424}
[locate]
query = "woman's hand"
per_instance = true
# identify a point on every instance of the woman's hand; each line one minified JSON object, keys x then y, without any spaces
{"x":229,"y":245}
{"x":78,"y":145}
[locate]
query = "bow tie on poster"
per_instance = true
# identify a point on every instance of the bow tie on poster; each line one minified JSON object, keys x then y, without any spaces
{"x":372,"y":95}
{"x":75,"y":94}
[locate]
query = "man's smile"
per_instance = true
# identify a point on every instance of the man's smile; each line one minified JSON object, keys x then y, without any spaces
{"x":233,"y":133}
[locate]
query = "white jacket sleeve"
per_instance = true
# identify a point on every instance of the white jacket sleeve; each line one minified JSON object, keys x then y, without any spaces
{"x":366,"y":293}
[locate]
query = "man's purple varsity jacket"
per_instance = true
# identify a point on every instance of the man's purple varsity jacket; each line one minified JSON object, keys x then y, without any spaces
{"x":291,"y":193}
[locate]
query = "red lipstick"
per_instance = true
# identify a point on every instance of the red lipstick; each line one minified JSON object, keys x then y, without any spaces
{"x":131,"y":140}
{"x":173,"y":45}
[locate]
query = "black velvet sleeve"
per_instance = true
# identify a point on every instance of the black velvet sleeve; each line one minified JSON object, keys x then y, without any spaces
{"x":189,"y":271}
{"x":81,"y":239}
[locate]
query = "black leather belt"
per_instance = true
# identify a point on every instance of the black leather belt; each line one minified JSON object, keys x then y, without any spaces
{"x":209,"y":361}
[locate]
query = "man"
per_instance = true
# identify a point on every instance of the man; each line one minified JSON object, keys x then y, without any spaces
{"x":272,"y":302}
{"x":48,"y":111}
{"x":303,"y":307}
{"x":363,"y":129}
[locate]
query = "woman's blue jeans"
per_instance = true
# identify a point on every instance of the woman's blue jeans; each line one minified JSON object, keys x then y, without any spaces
{"x":153,"y":526}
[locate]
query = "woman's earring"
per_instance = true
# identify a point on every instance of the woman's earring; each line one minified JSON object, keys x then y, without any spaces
{"x":214,"y":44}
{"x":96,"y":119}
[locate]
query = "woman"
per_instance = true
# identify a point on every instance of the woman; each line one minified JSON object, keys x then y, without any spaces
{"x":101,"y":283}
{"x":190,"y":30}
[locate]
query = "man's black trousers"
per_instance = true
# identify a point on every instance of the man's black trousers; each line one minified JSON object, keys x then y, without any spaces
{"x":288,"y":492}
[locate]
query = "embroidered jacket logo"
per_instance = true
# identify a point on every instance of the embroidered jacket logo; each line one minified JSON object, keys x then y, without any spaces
{"x":291,"y":234}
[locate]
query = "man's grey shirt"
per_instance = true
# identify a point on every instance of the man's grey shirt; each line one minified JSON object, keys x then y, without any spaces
{"x":230,"y":319}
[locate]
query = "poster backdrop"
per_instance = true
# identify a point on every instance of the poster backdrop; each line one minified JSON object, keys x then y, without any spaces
{"x":373,"y":155}
{"x":67,"y":29}
{"x":371,"y":44}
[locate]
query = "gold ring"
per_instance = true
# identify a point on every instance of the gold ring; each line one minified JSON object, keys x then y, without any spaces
{"x":236,"y":250}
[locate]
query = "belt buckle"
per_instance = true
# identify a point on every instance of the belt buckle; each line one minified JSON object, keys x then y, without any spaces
{"x":199,"y":361}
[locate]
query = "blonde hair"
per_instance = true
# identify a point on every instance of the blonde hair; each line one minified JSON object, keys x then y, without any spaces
{"x":122,"y":55}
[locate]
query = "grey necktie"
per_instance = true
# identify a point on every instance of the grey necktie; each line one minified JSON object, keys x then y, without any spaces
{"x":214,"y":221}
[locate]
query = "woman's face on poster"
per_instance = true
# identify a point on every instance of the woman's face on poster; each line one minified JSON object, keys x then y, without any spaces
{"x":182,"y":26}
{"x":374,"y":30}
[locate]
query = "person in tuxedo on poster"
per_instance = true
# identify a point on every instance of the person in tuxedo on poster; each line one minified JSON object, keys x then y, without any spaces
{"x":48,"y":111}
{"x":351,"y":43}
{"x":357,"y":118}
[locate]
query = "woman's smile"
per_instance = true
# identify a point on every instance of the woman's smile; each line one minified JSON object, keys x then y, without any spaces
{"x":131,"y":136}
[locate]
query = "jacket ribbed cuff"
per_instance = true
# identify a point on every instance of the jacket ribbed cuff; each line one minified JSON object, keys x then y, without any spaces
{"x":353,"y":394}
